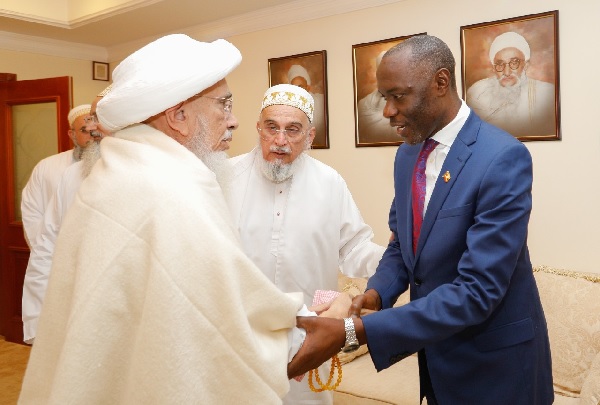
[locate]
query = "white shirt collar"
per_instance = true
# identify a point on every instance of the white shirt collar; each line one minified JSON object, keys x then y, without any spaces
{"x":447,"y":135}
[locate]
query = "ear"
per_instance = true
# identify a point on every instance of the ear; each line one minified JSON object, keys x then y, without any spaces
{"x":442,"y":81}
{"x":177,"y":119}
{"x":311,"y":135}
{"x":526,"y":66}
{"x":72,"y":135}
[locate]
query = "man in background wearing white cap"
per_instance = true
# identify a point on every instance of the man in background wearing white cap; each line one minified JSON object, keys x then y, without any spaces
{"x":298,"y":76}
{"x":372,"y":125}
{"x":511,"y":100}
{"x":153,"y":300}
{"x":42,"y":245}
{"x":47,"y":172}
{"x":296,"y":217}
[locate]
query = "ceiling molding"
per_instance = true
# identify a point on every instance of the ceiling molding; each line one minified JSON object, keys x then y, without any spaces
{"x":258,"y":20}
{"x":51,"y":47}
{"x":110,"y":12}
{"x":294,"y":12}
{"x":34,"y":18}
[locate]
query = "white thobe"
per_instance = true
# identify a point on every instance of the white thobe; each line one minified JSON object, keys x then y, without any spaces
{"x":150,"y":298}
{"x":42,"y":248}
{"x":301,"y":233}
{"x":39,"y":190}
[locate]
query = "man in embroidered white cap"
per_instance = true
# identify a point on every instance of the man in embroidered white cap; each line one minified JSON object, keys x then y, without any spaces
{"x":46,"y":174}
{"x":510,"y":99}
{"x":297,"y":219}
{"x":39,"y":264}
{"x":153,"y":300}
{"x":298,"y":76}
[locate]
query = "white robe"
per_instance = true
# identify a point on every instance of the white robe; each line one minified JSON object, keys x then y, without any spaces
{"x":39,"y":190}
{"x":151,"y":299}
{"x":532,"y":113}
{"x":42,"y":249}
{"x":301,"y":233}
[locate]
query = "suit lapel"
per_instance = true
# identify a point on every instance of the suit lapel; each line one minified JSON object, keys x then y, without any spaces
{"x":459,"y":153}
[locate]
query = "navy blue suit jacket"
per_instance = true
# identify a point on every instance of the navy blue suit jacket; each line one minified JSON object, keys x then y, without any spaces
{"x":475,"y":310}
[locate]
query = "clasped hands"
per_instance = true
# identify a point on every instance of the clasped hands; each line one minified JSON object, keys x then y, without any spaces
{"x":325,"y":334}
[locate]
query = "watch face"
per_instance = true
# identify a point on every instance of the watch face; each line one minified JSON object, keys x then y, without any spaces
{"x":350,"y":348}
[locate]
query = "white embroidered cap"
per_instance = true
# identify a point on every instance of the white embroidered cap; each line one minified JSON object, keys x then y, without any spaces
{"x":162,"y":74}
{"x":78,"y":111}
{"x":288,"y":94}
{"x":509,"y":40}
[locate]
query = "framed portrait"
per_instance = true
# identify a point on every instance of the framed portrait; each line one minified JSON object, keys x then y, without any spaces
{"x":510,"y":74}
{"x":371,"y":127}
{"x":309,"y":71}
{"x":100,"y":71}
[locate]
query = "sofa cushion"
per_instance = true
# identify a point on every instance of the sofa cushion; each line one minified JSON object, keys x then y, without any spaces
{"x":590,"y":392}
{"x":573,"y":324}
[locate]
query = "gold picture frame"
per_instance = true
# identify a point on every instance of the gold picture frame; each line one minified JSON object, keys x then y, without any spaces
{"x":309,"y":71}
{"x":522,"y":98}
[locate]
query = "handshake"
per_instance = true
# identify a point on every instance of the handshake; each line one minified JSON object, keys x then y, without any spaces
{"x":326,"y":333}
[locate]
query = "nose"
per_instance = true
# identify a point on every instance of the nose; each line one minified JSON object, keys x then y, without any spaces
{"x":280,"y":139}
{"x":389,"y":110}
{"x":232,"y":122}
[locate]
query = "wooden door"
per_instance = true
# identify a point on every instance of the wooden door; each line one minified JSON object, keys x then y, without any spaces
{"x":33,"y":125}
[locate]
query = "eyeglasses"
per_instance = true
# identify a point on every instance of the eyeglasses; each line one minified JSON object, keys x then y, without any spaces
{"x":513,"y":64}
{"x":226,"y":101}
{"x":291,"y":134}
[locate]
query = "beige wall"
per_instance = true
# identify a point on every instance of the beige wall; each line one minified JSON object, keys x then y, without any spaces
{"x":29,"y":66}
{"x":565,"y":223}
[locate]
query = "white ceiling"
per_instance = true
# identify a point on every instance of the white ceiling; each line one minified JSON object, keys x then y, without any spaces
{"x":129,"y":24}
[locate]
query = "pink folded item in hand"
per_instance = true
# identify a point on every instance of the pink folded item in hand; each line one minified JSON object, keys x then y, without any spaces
{"x":320,"y":297}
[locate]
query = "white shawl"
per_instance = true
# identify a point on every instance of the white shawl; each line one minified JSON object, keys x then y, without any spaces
{"x":151,"y":299}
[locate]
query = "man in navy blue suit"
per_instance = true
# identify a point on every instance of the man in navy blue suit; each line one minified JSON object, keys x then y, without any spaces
{"x":475,"y":316}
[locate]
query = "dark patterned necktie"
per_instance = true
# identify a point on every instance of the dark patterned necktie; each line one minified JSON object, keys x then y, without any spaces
{"x":418,"y":189}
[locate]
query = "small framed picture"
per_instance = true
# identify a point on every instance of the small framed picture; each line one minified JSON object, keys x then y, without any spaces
{"x":510,"y":74}
{"x":372,"y":128}
{"x":100,"y":71}
{"x":309,"y":71}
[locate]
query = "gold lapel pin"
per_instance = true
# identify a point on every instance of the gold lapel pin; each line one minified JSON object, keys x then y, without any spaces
{"x":446,"y":176}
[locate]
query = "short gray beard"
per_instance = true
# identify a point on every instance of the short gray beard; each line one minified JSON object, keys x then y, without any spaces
{"x":216,"y":161}
{"x":277,"y":171}
{"x":90,"y":155}
{"x":509,"y":95}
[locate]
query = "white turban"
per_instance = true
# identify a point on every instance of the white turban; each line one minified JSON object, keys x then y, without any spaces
{"x":78,"y":111}
{"x":298,"y":70}
{"x":162,"y":74}
{"x":509,"y":40}
{"x":288,"y":94}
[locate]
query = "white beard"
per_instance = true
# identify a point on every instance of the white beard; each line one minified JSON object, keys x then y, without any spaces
{"x":217,"y":162}
{"x":89,"y":157}
{"x":503,"y":96}
{"x":277,"y":171}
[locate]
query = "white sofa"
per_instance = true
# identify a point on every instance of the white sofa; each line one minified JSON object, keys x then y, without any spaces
{"x":571,"y":304}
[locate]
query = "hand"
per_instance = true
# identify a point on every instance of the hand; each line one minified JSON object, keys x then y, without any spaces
{"x":337,"y":308}
{"x":365,"y":303}
{"x":324,"y":339}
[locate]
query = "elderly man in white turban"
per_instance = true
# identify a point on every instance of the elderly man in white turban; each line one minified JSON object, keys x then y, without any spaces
{"x":39,"y":264}
{"x":153,"y":300}
{"x":296,"y":217}
{"x":511,"y":100}
{"x":372,"y":125}
{"x":298,"y":76}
